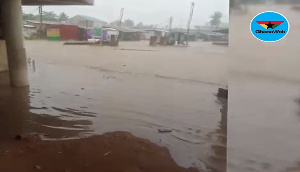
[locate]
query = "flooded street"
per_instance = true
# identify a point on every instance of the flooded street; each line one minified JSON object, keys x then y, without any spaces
{"x":79,"y":91}
{"x":264,"y":126}
{"x":264,"y":89}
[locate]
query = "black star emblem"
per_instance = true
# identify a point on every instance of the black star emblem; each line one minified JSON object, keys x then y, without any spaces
{"x":270,"y":25}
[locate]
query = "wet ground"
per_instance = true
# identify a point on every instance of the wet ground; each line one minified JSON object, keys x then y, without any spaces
{"x":78,"y":91}
{"x":264,"y":89}
{"x":264,"y":125}
{"x":96,"y":153}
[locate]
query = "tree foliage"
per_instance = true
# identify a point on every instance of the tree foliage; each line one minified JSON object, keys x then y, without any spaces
{"x":215,"y":19}
{"x":115,"y":23}
{"x":140,"y":25}
{"x":128,"y":23}
{"x":63,"y":17}
{"x":30,"y":17}
{"x":47,"y":16}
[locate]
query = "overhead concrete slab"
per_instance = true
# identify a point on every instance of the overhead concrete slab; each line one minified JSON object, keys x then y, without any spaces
{"x":57,"y":2}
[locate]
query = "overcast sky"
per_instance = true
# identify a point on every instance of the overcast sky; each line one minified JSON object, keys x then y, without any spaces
{"x":146,"y":11}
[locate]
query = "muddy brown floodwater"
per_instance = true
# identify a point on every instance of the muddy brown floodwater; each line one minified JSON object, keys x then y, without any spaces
{"x":264,"y":121}
{"x":80,"y":91}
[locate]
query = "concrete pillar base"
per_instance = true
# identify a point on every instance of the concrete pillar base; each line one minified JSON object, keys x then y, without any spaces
{"x":18,"y":74}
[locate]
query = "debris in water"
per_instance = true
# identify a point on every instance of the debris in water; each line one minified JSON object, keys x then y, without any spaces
{"x":37,"y":167}
{"x":46,"y":135}
{"x":18,"y":137}
{"x":82,"y":88}
{"x":33,"y":137}
{"x":107,"y":153}
{"x":165,"y":130}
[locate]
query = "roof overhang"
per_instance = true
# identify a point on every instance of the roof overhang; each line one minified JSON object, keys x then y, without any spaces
{"x":222,"y":31}
{"x":57,"y":2}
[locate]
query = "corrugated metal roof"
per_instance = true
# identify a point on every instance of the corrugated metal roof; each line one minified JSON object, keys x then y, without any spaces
{"x":126,"y":30}
{"x":29,"y":26}
{"x":49,"y":22}
{"x":222,"y":30}
{"x":158,"y":30}
{"x":89,"y":18}
{"x":44,"y":22}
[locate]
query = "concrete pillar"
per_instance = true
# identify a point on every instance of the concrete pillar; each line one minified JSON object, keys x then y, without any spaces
{"x":3,"y":57}
{"x":12,"y":26}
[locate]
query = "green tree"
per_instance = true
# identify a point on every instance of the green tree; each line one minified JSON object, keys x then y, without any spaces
{"x":29,"y":17}
{"x":140,"y":25}
{"x":215,"y":19}
{"x":128,"y":23}
{"x":63,"y":17}
{"x":49,"y":16}
{"x":115,"y":23}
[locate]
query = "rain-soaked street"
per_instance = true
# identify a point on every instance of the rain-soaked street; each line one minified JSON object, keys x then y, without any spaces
{"x":78,"y":91}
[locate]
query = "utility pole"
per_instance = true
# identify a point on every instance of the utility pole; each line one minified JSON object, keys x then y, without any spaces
{"x":86,"y":29}
{"x":120,"y":24}
{"x":41,"y":19}
{"x":170,"y":24}
{"x":189,"y":22}
{"x":121,"y":17}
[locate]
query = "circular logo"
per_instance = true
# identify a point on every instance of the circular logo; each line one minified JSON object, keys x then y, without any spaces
{"x":269,"y":26}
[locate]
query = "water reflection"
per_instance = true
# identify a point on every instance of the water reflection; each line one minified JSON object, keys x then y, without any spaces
{"x":217,"y":161}
{"x":17,"y":118}
{"x":124,"y":103}
{"x":14,"y":104}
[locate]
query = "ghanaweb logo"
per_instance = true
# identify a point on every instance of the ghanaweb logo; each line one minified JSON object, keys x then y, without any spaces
{"x":269,"y":26}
